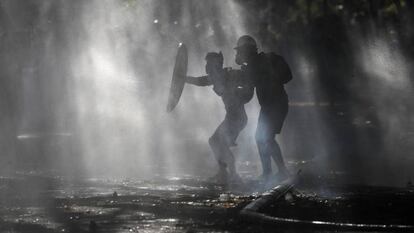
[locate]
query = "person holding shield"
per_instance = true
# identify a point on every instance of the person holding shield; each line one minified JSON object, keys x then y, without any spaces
{"x":235,"y":91}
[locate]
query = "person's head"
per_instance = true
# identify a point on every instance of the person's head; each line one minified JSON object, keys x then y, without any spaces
{"x":214,"y":62}
{"x":246,"y":49}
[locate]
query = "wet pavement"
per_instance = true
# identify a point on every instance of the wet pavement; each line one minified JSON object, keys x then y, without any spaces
{"x":45,"y":203}
{"x":34,"y":203}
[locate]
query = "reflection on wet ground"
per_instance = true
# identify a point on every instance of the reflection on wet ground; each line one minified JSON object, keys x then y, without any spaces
{"x":45,"y":203}
{"x":35,"y":203}
{"x":357,"y":207}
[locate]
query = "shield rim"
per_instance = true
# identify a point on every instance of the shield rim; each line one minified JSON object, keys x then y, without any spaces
{"x":178,"y":77}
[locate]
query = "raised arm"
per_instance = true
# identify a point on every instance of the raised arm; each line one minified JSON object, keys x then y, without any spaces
{"x":198,"y":81}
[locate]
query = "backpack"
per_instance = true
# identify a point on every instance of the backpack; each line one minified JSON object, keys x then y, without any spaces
{"x":279,"y":67}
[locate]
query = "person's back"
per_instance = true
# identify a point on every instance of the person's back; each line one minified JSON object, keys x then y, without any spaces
{"x":270,"y":72}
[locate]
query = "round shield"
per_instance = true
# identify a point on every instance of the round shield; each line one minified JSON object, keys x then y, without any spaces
{"x":178,"y":77}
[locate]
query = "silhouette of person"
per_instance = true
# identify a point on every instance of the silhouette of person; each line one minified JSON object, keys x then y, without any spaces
{"x":235,"y":91}
{"x":268,"y":72}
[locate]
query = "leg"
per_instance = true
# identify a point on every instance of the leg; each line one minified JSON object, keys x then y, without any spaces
{"x":224,"y":137}
{"x":269,"y":148}
{"x":222,"y":152}
{"x":277,"y":119}
{"x":270,"y":123}
{"x":264,"y":158}
{"x":236,"y":123}
{"x":219,"y":144}
{"x":276,"y":154}
{"x":262,"y":141}
{"x":217,"y":148}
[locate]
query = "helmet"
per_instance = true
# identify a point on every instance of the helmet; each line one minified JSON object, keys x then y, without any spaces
{"x":246,"y":40}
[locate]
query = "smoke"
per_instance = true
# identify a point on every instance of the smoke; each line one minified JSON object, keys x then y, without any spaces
{"x":122,"y":79}
{"x":387,"y":93}
{"x":95,"y":78}
{"x":85,"y":83}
